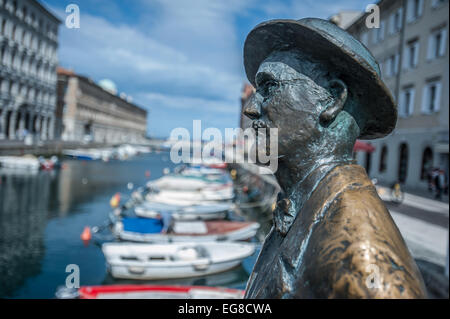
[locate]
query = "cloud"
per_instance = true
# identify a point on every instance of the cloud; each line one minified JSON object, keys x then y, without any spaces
{"x":174,"y":55}
{"x":190,"y":103}
{"x":184,"y":60}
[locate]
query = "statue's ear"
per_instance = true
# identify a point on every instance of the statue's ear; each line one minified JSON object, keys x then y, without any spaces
{"x":339,"y":91}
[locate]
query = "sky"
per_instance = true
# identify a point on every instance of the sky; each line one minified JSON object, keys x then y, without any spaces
{"x":181,"y":60}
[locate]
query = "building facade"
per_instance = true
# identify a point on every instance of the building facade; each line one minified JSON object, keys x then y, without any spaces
{"x":91,"y":113}
{"x":28,"y":60}
{"x":411,"y":46}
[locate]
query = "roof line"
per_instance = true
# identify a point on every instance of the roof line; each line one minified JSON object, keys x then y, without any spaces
{"x":40,"y":5}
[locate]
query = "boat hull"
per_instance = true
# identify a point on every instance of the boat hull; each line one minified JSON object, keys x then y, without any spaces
{"x":164,"y":272}
{"x":158,"y":292}
{"x":241,"y":234}
{"x":172,"y":261}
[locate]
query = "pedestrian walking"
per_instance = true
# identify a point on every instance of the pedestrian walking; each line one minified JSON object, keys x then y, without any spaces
{"x":443,"y":181}
{"x":439,"y":183}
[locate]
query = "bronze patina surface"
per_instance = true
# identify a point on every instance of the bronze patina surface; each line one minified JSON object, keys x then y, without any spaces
{"x":332,"y":235}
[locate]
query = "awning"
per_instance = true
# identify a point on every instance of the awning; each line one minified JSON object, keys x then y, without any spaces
{"x":361,"y":146}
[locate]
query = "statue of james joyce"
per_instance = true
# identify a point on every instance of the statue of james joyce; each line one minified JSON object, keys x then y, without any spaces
{"x":332,"y":236}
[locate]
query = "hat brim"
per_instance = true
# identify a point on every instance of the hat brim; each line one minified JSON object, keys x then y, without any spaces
{"x":376,"y":113}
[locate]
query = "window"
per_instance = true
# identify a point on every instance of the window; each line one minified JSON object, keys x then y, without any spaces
{"x":414,"y":10}
{"x":411,"y":58}
{"x":22,"y":63}
{"x":437,"y":3}
{"x":24,"y":35}
{"x":378,"y":33}
{"x":392,"y":65}
{"x":437,"y":44}
{"x":431,"y":99}
{"x":427,"y":163}
{"x":395,"y":21}
{"x":364,"y":38}
{"x":2,"y":55}
{"x":403,"y":163}
{"x":383,"y":159}
{"x":13,"y":34}
{"x":3,"y":27}
{"x":406,"y":104}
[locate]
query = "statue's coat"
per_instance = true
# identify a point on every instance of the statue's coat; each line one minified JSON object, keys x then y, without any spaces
{"x":330,"y":250}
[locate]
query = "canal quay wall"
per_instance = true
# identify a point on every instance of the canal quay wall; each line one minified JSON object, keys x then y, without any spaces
{"x":41,"y":149}
{"x":49,"y":148}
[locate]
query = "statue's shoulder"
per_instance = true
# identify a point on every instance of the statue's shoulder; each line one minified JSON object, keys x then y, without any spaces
{"x":354,"y":248}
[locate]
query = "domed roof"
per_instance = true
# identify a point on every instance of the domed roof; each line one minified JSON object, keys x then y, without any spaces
{"x":108,"y":85}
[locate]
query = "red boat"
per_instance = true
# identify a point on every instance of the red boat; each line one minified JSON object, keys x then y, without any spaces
{"x":149,"y":292}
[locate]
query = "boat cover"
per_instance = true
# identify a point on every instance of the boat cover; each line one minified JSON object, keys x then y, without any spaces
{"x":142,"y":225}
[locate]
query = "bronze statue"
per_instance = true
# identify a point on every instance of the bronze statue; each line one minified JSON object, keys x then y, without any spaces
{"x":332,"y":236}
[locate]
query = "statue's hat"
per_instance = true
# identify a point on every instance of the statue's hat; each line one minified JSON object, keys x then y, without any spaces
{"x":324,"y":41}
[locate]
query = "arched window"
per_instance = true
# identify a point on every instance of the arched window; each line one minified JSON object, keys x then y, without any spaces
{"x":383,"y":159}
{"x":22,"y":63}
{"x":2,"y":54}
{"x":24,"y":35}
{"x":13,"y":34}
{"x":3,"y":27}
{"x":403,"y":163}
{"x":427,"y":163}
{"x":24,"y":13}
{"x":13,"y":58}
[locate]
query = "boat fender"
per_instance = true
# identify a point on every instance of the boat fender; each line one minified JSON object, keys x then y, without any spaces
{"x":136,"y":270}
{"x":201,"y":267}
{"x":222,"y":238}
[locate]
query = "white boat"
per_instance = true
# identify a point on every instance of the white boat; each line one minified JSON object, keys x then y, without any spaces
{"x":126,"y":151}
{"x":199,"y":170}
{"x":26,"y":163}
{"x":176,"y":260}
{"x":184,"y":212}
{"x":186,"y":183}
{"x":89,"y":154}
{"x":191,"y":197}
{"x":154,"y":230}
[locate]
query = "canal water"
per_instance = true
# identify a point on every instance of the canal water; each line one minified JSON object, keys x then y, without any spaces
{"x":43,"y":214}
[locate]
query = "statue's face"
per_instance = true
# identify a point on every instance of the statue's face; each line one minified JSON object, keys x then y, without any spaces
{"x":290,"y":101}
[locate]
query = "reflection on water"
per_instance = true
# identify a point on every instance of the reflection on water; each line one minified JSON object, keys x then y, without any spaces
{"x":43,"y":214}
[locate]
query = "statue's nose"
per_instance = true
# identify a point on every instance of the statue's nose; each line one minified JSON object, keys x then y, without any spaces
{"x":253,"y":109}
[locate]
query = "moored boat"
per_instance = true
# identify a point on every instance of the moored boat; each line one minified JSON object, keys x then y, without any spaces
{"x":149,"y":292}
{"x":155,"y":230}
{"x":192,"y":197}
{"x":175,"y":260}
{"x":26,"y":163}
{"x":185,"y":210}
{"x":189,"y":183}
